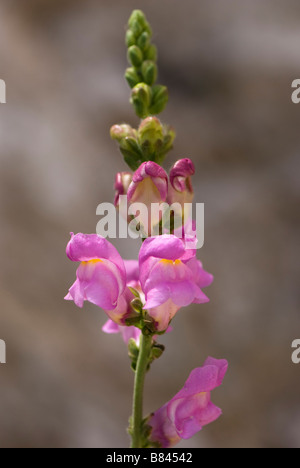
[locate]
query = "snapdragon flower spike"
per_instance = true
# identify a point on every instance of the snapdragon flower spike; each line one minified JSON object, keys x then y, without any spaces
{"x":181,"y":189}
{"x":191,"y":409}
{"x":101,"y":276}
{"x":171,"y":278}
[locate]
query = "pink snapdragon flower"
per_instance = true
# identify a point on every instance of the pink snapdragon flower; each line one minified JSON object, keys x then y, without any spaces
{"x":181,"y":193}
{"x":149,"y":184}
{"x":171,"y":278}
{"x":101,"y":276}
{"x":190,"y":409}
{"x":181,"y":189}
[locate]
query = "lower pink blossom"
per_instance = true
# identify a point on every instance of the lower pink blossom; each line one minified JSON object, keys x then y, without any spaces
{"x":191,"y":409}
{"x":171,"y":278}
{"x":101,"y":276}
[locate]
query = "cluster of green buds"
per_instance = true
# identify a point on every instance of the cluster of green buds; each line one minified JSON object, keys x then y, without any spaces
{"x":151,"y":142}
{"x":134,"y":350}
{"x":147,"y":98}
{"x":141,"y":319}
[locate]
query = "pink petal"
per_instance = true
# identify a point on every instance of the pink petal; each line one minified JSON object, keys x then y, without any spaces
{"x":76,"y":294}
{"x":110,"y":327}
{"x":163,"y":314}
{"x":151,"y":170}
{"x":86,"y":247}
{"x":202,"y":277}
{"x":163,"y":247}
{"x":100,"y":284}
{"x":222,"y":366}
{"x":182,"y":170}
{"x":132,"y":270}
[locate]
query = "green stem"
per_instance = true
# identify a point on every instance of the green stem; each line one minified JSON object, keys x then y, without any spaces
{"x":141,"y":369}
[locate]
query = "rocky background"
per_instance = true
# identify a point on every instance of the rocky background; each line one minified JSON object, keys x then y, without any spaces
{"x":229,"y":67}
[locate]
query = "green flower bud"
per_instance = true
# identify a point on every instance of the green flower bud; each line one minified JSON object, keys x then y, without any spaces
{"x":130,"y":160}
{"x":134,"y":292}
{"x":133,"y":348}
{"x":141,"y":97}
{"x":150,"y":137}
{"x":151,"y":53}
{"x":136,"y":28}
{"x":133,"y":353}
{"x":144,"y":40}
{"x":138,"y":23}
{"x":130,"y":38}
{"x":132,"y":152}
{"x":159,"y":99}
{"x":137,"y":16}
{"x":149,"y":71}
{"x":169,"y":137}
{"x":120,"y":132}
{"x":130,"y":143}
{"x":157,"y":351}
{"x":150,"y":129}
{"x":132,"y":77}
{"x":135,"y":56}
{"x":137,"y":305}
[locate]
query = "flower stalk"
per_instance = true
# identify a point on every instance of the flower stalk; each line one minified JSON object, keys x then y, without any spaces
{"x":136,"y":430}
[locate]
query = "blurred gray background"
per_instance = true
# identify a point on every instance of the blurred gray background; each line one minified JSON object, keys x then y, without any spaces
{"x":229,"y":67}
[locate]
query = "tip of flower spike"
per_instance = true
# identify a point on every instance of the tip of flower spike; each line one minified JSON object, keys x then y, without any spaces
{"x":147,"y":98}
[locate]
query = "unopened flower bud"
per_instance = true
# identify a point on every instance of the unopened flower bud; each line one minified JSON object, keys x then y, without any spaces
{"x":132,"y":77}
{"x":151,"y":53}
{"x":160,"y":99}
{"x":133,"y":350}
{"x":150,"y":137}
{"x":137,"y":305}
{"x":157,"y":351}
{"x":137,"y":16}
{"x":130,"y":144}
{"x":149,"y":71}
{"x":138,"y":23}
{"x":120,"y":132}
{"x":167,"y":144}
{"x":141,"y":99}
{"x":130,"y":38}
{"x":181,"y":188}
{"x":135,"y":56}
{"x":136,"y":28}
{"x":180,"y":175}
{"x":144,"y":40}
